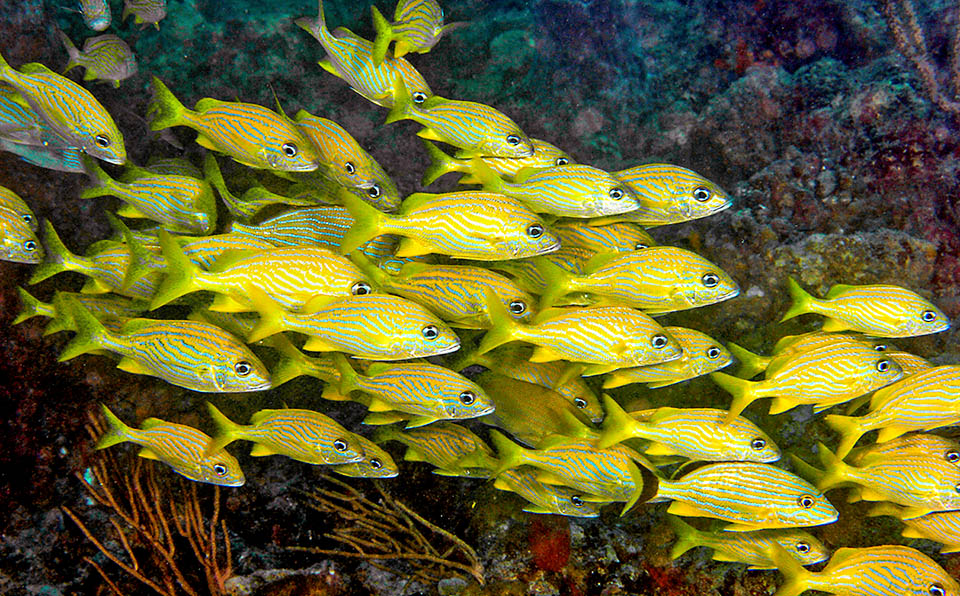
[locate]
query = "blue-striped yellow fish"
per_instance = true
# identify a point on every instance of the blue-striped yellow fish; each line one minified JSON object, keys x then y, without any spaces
{"x":940,"y":526}
{"x":545,"y":155}
{"x":96,"y":14}
{"x":71,"y":111}
{"x":110,"y":309}
{"x":145,"y":12}
{"x":699,"y":434}
{"x":657,"y":279}
{"x":303,"y":435}
{"x":923,"y":401}
{"x":251,"y":134}
{"x":190,"y":354}
{"x":545,"y":498}
{"x":177,"y":166}
{"x":11,"y":201}
{"x":701,"y":355}
{"x":877,"y":310}
{"x":909,"y":363}
{"x":671,"y":194}
{"x":23,"y":133}
{"x":56,"y":156}
{"x":376,"y":462}
{"x":922,"y":444}
{"x":427,"y":391}
{"x":350,"y":57}
{"x":373,"y":326}
{"x":476,"y":129}
{"x":181,"y":447}
{"x":18,"y":241}
{"x":751,"y":495}
{"x":889,"y":570}
{"x":615,"y":237}
{"x":105,"y":58}
{"x":751,"y":548}
{"x":468,"y":224}
{"x":451,"y":448}
{"x":789,"y":346}
{"x":204,"y":251}
{"x":417,"y":26}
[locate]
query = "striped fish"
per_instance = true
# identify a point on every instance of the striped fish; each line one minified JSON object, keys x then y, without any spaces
{"x":344,"y":160}
{"x":657,"y":280}
{"x":449,"y":447}
{"x":823,"y":377}
{"x":190,"y":354}
{"x":304,"y":435}
{"x":72,"y":112}
{"x":11,"y":201}
{"x":206,"y":250}
{"x":922,"y":444}
{"x":670,"y":194}
{"x":145,"y":12}
{"x":18,"y":241}
{"x":701,"y":355}
{"x":293,"y":363}
{"x":545,"y":155}
{"x":909,"y":363}
{"x":373,"y":326}
{"x":472,"y":225}
{"x":754,"y":496}
{"x":417,"y":26}
{"x":874,"y":571}
{"x":105,"y":57}
{"x":110,"y":309}
{"x":752,"y":548}
{"x":476,"y":129}
{"x":923,"y":401}
{"x":249,"y":133}
{"x":183,"y":448}
{"x":940,"y":526}
{"x":615,"y":237}
{"x":96,"y":14}
{"x":172,"y":166}
{"x":877,"y":310}
{"x":52,"y":156}
{"x":23,"y":133}
{"x":376,"y":462}
{"x":698,"y":434}
{"x":350,"y":58}
{"x":545,"y":498}
{"x":789,"y":346}
{"x":427,"y":391}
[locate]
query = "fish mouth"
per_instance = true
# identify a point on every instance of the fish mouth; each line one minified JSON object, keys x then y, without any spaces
{"x":551,"y":248}
{"x":114,"y":160}
{"x":259,"y":387}
{"x":448,"y":350}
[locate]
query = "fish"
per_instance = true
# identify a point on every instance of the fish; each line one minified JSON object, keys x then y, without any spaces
{"x":145,"y":12}
{"x":52,"y":156}
{"x":876,"y":310}
{"x":175,"y":166}
{"x":23,"y":133}
{"x":940,"y":526}
{"x":18,"y":241}
{"x":476,"y":129}
{"x":923,"y":401}
{"x":72,"y":112}
{"x":350,"y":57}
{"x":96,"y":14}
{"x":376,"y":462}
{"x":698,"y":434}
{"x":177,"y":203}
{"x":179,"y":446}
{"x":110,"y":309}
{"x":249,"y":133}
{"x":615,"y":237}
{"x":304,"y":435}
{"x":545,"y":498}
{"x":545,"y":155}
{"x":104,"y":57}
{"x":450,"y":447}
{"x":921,"y":444}
{"x":909,"y":363}
{"x":11,"y":201}
{"x":701,"y":355}
{"x":190,"y":354}
{"x":888,"y":570}
{"x":789,"y":346}
{"x":417,"y":26}
{"x":372,"y":326}
{"x":751,"y":548}
{"x":669,"y":194}
{"x":473,"y":225}
{"x":657,"y":279}
{"x":751,"y":495}
{"x":427,"y":391}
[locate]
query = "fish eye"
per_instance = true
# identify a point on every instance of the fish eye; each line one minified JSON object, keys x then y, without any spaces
{"x":513,"y":140}
{"x":956,"y":487}
{"x":30,"y":246}
{"x":102,"y":140}
{"x":616,"y":194}
{"x":518,"y":307}
{"x":936,"y":590}
{"x":952,"y":456}
{"x":577,"y":501}
{"x":928,"y":316}
{"x":713,"y":352}
{"x":806,"y":501}
{"x":361,"y":288}
{"x":758,"y":443}
{"x":340,"y":445}
{"x":419,"y":97}
{"x":376,"y":464}
{"x":374,"y":191}
{"x":883,"y":365}
{"x":659,"y":341}
{"x":640,"y":246}
{"x":242,"y":368}
{"x":430,"y":332}
{"x":468,"y":397}
{"x":27,"y":217}
{"x":220,"y":469}
{"x":561,"y":161}
{"x":802,"y":547}
{"x":881,"y":347}
{"x":349,"y":167}
{"x":580,"y":402}
{"x":289,"y":149}
{"x":535,"y":230}
{"x":701,"y":194}
{"x":710,"y":280}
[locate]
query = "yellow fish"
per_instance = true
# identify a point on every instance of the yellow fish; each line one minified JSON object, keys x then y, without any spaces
{"x":417,"y":26}
{"x":18,"y":241}
{"x":701,"y":355}
{"x":670,"y":194}
{"x":546,"y":498}
{"x":545,"y":155}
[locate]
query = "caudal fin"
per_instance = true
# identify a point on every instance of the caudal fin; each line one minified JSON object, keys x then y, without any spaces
{"x":90,"y":331}
{"x":801,"y":300}
{"x":441,"y":164}
{"x":72,"y":52}
{"x":116,"y":430}
{"x":384,"y":36}
{"x":510,"y":454}
{"x":617,"y":425}
{"x":751,"y":364}
{"x":504,"y":326}
{"x":850,"y":430}
{"x":32,"y":307}
{"x":227,"y":431}
{"x":180,"y":276}
{"x":367,"y":225}
{"x":687,"y":536}
{"x":795,"y":576}
{"x":58,"y":257}
{"x":165,"y":109}
{"x":557,"y":282}
{"x":741,"y":390}
{"x":402,"y":102}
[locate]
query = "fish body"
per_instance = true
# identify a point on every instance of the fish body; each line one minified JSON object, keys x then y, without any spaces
{"x":204,"y":251}
{"x":11,"y":201}
{"x":917,"y":444}
{"x":110,"y":309}
{"x":376,"y":462}
{"x":876,"y":310}
{"x":18,"y":241}
{"x":105,"y":57}
{"x":417,"y":26}
{"x":671,"y":194}
{"x":545,"y":155}
{"x":183,"y":448}
{"x":448,"y":446}
{"x":940,"y":526}
{"x":701,"y":355}
{"x":96,"y":14}
{"x":615,"y":237}
{"x":545,"y":498}
{"x":145,"y":12}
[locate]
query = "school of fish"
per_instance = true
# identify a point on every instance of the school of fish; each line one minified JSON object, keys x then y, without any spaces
{"x":541,"y":275}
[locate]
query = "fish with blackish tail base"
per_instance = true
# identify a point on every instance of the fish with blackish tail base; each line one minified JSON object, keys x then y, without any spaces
{"x":452,"y":449}
{"x":105,"y":57}
{"x":701,"y":355}
{"x":546,"y":498}
{"x":877,"y":310}
{"x":942,"y":526}
{"x":417,"y":26}
{"x":251,"y":134}
{"x":545,"y":155}
{"x":183,"y":448}
{"x":145,"y":12}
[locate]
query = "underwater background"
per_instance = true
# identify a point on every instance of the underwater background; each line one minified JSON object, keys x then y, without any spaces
{"x":841,"y":167}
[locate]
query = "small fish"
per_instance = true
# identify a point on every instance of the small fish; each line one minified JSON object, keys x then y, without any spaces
{"x":23,"y":133}
{"x":110,"y":309}
{"x":917,"y":444}
{"x":52,"y":156}
{"x":752,"y":548}
{"x":72,"y":112}
{"x":545,"y":498}
{"x":417,"y":26}
{"x":699,"y":434}
{"x":304,"y":435}
{"x":18,"y":241}
{"x":615,"y":237}
{"x":96,"y":14}
{"x":877,"y":310}
{"x":183,"y":448}
{"x":472,"y":225}
{"x":190,"y":354}
{"x":789,"y":346}
{"x":476,"y":129}
{"x":251,"y":134}
{"x":874,"y":571}
{"x":670,"y":194}
{"x":941,"y":526}
{"x":11,"y":201}
{"x":350,"y":57}
{"x":105,"y":57}
{"x":754,"y":496}
{"x":701,"y":355}
{"x":451,"y":448}
{"x":545,"y":155}
{"x":376,"y":462}
{"x":145,"y":12}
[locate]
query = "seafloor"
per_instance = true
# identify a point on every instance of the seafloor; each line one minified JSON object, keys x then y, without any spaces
{"x":842,"y":169}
